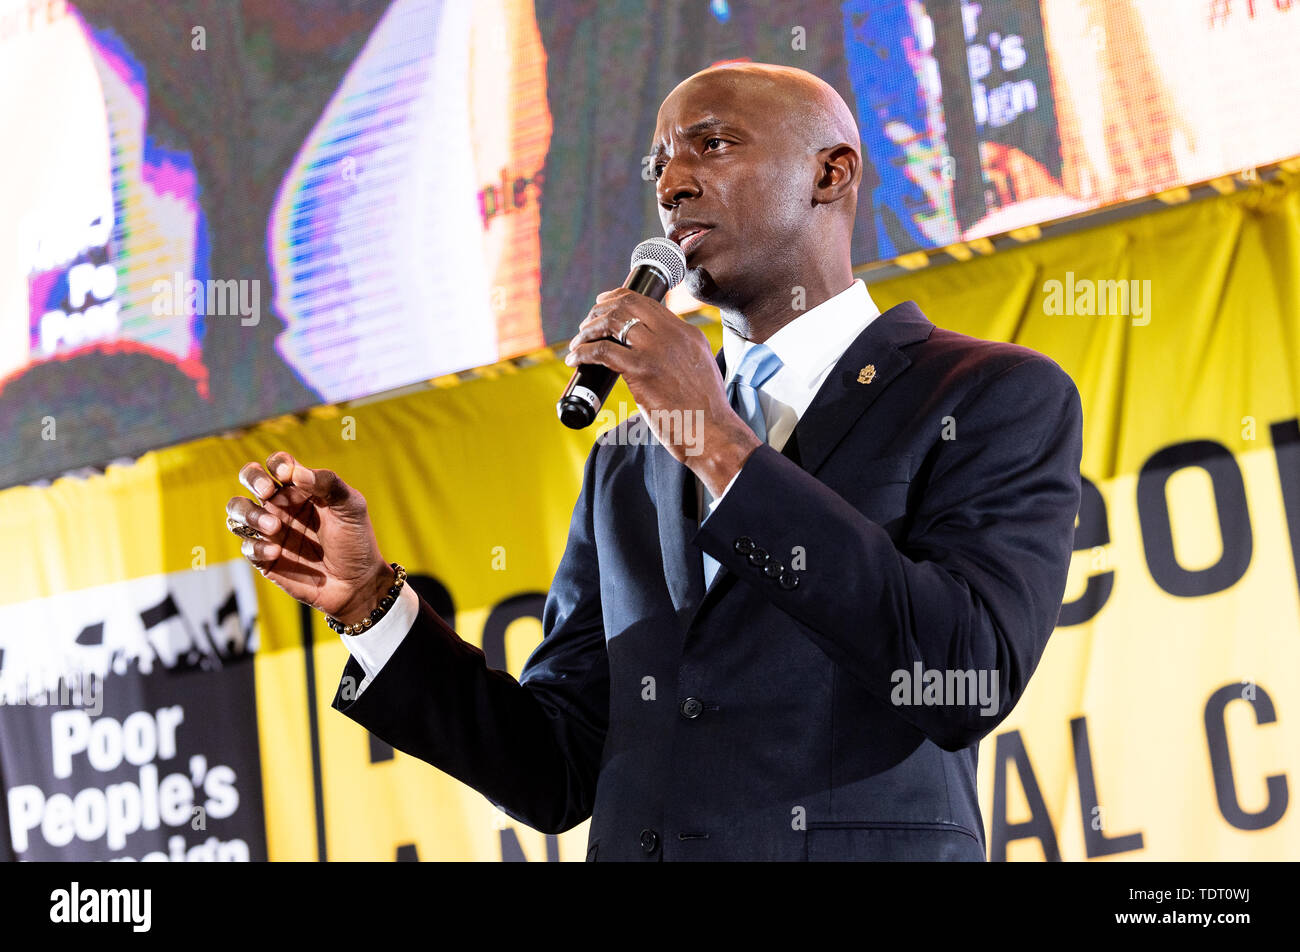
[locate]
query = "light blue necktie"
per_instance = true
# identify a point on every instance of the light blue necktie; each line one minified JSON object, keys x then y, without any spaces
{"x":756,"y":368}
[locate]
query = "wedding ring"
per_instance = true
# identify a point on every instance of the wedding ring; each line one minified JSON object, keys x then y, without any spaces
{"x":622,"y":335}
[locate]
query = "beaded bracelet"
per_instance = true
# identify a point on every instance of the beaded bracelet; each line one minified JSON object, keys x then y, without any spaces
{"x":385,"y":603}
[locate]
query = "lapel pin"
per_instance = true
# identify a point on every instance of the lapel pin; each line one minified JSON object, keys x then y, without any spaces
{"x":867,"y":374}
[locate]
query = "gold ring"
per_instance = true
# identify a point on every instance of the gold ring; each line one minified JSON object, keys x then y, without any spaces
{"x":239,"y":529}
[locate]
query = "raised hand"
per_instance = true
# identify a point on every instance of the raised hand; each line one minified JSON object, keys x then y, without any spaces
{"x":317,"y":543}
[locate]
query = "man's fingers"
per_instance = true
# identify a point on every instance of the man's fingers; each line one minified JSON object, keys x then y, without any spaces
{"x":606,"y":326}
{"x":281,"y":465}
{"x":248,"y":513}
{"x":261,"y":554}
{"x":609,"y":299}
{"x":609,"y":318}
{"x":321,"y":485}
{"x":608,"y":353}
{"x":256,"y":480}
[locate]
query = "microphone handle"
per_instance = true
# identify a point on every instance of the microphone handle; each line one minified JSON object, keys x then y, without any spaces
{"x":590,"y":384}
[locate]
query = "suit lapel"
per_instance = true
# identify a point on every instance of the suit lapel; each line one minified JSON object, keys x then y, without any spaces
{"x":861,"y":374}
{"x":873,"y":357}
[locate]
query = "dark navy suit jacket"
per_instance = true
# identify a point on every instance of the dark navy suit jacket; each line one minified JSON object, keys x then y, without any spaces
{"x":920,"y":518}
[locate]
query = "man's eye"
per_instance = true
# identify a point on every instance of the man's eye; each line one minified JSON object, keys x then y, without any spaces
{"x":659,"y":170}
{"x":708,"y":143}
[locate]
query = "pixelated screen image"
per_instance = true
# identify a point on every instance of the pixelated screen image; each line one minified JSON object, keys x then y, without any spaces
{"x":218,"y":211}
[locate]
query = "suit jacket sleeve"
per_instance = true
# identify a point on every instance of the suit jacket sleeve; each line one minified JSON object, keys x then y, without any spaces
{"x":976,"y":582}
{"x":533,"y":746}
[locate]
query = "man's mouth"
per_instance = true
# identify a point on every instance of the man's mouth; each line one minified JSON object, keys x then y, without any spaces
{"x":689,"y":238}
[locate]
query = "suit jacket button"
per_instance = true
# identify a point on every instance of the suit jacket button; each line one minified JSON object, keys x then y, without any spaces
{"x":774,"y":569}
{"x":744,"y":545}
{"x":649,"y":840}
{"x":692,"y":707}
{"x":758,"y":557}
{"x":788,"y":580}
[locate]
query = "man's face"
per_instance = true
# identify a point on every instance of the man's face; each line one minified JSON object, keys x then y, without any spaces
{"x":730,"y":168}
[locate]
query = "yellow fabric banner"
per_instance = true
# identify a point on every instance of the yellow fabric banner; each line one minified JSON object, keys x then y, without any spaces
{"x":1161,"y":722}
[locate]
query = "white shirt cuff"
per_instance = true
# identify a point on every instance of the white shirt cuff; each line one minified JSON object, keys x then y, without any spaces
{"x":374,"y":646}
{"x":714,"y":504}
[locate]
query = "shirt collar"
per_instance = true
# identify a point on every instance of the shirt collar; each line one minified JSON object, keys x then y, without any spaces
{"x":813,"y":341}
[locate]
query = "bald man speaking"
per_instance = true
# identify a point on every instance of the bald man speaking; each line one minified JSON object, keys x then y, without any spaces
{"x":780,"y":642}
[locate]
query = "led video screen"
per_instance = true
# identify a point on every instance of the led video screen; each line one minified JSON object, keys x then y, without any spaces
{"x":218,"y":211}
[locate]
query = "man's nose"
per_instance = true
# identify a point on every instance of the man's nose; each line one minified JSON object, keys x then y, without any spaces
{"x":676,"y":182}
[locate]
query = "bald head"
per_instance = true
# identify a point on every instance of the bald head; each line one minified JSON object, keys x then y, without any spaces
{"x":757,"y":170}
{"x":804,"y":103}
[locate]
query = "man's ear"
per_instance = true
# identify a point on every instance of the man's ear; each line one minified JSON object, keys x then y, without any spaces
{"x":840,"y":168}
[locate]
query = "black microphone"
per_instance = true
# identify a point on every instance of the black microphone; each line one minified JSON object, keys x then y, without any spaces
{"x":658,"y":265}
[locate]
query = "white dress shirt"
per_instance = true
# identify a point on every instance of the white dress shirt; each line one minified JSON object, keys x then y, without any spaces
{"x":809,"y":347}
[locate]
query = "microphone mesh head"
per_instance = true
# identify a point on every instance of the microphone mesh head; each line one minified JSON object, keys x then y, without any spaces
{"x":664,"y":256}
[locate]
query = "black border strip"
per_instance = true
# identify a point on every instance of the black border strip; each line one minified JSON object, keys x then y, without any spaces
{"x":313,"y":728}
